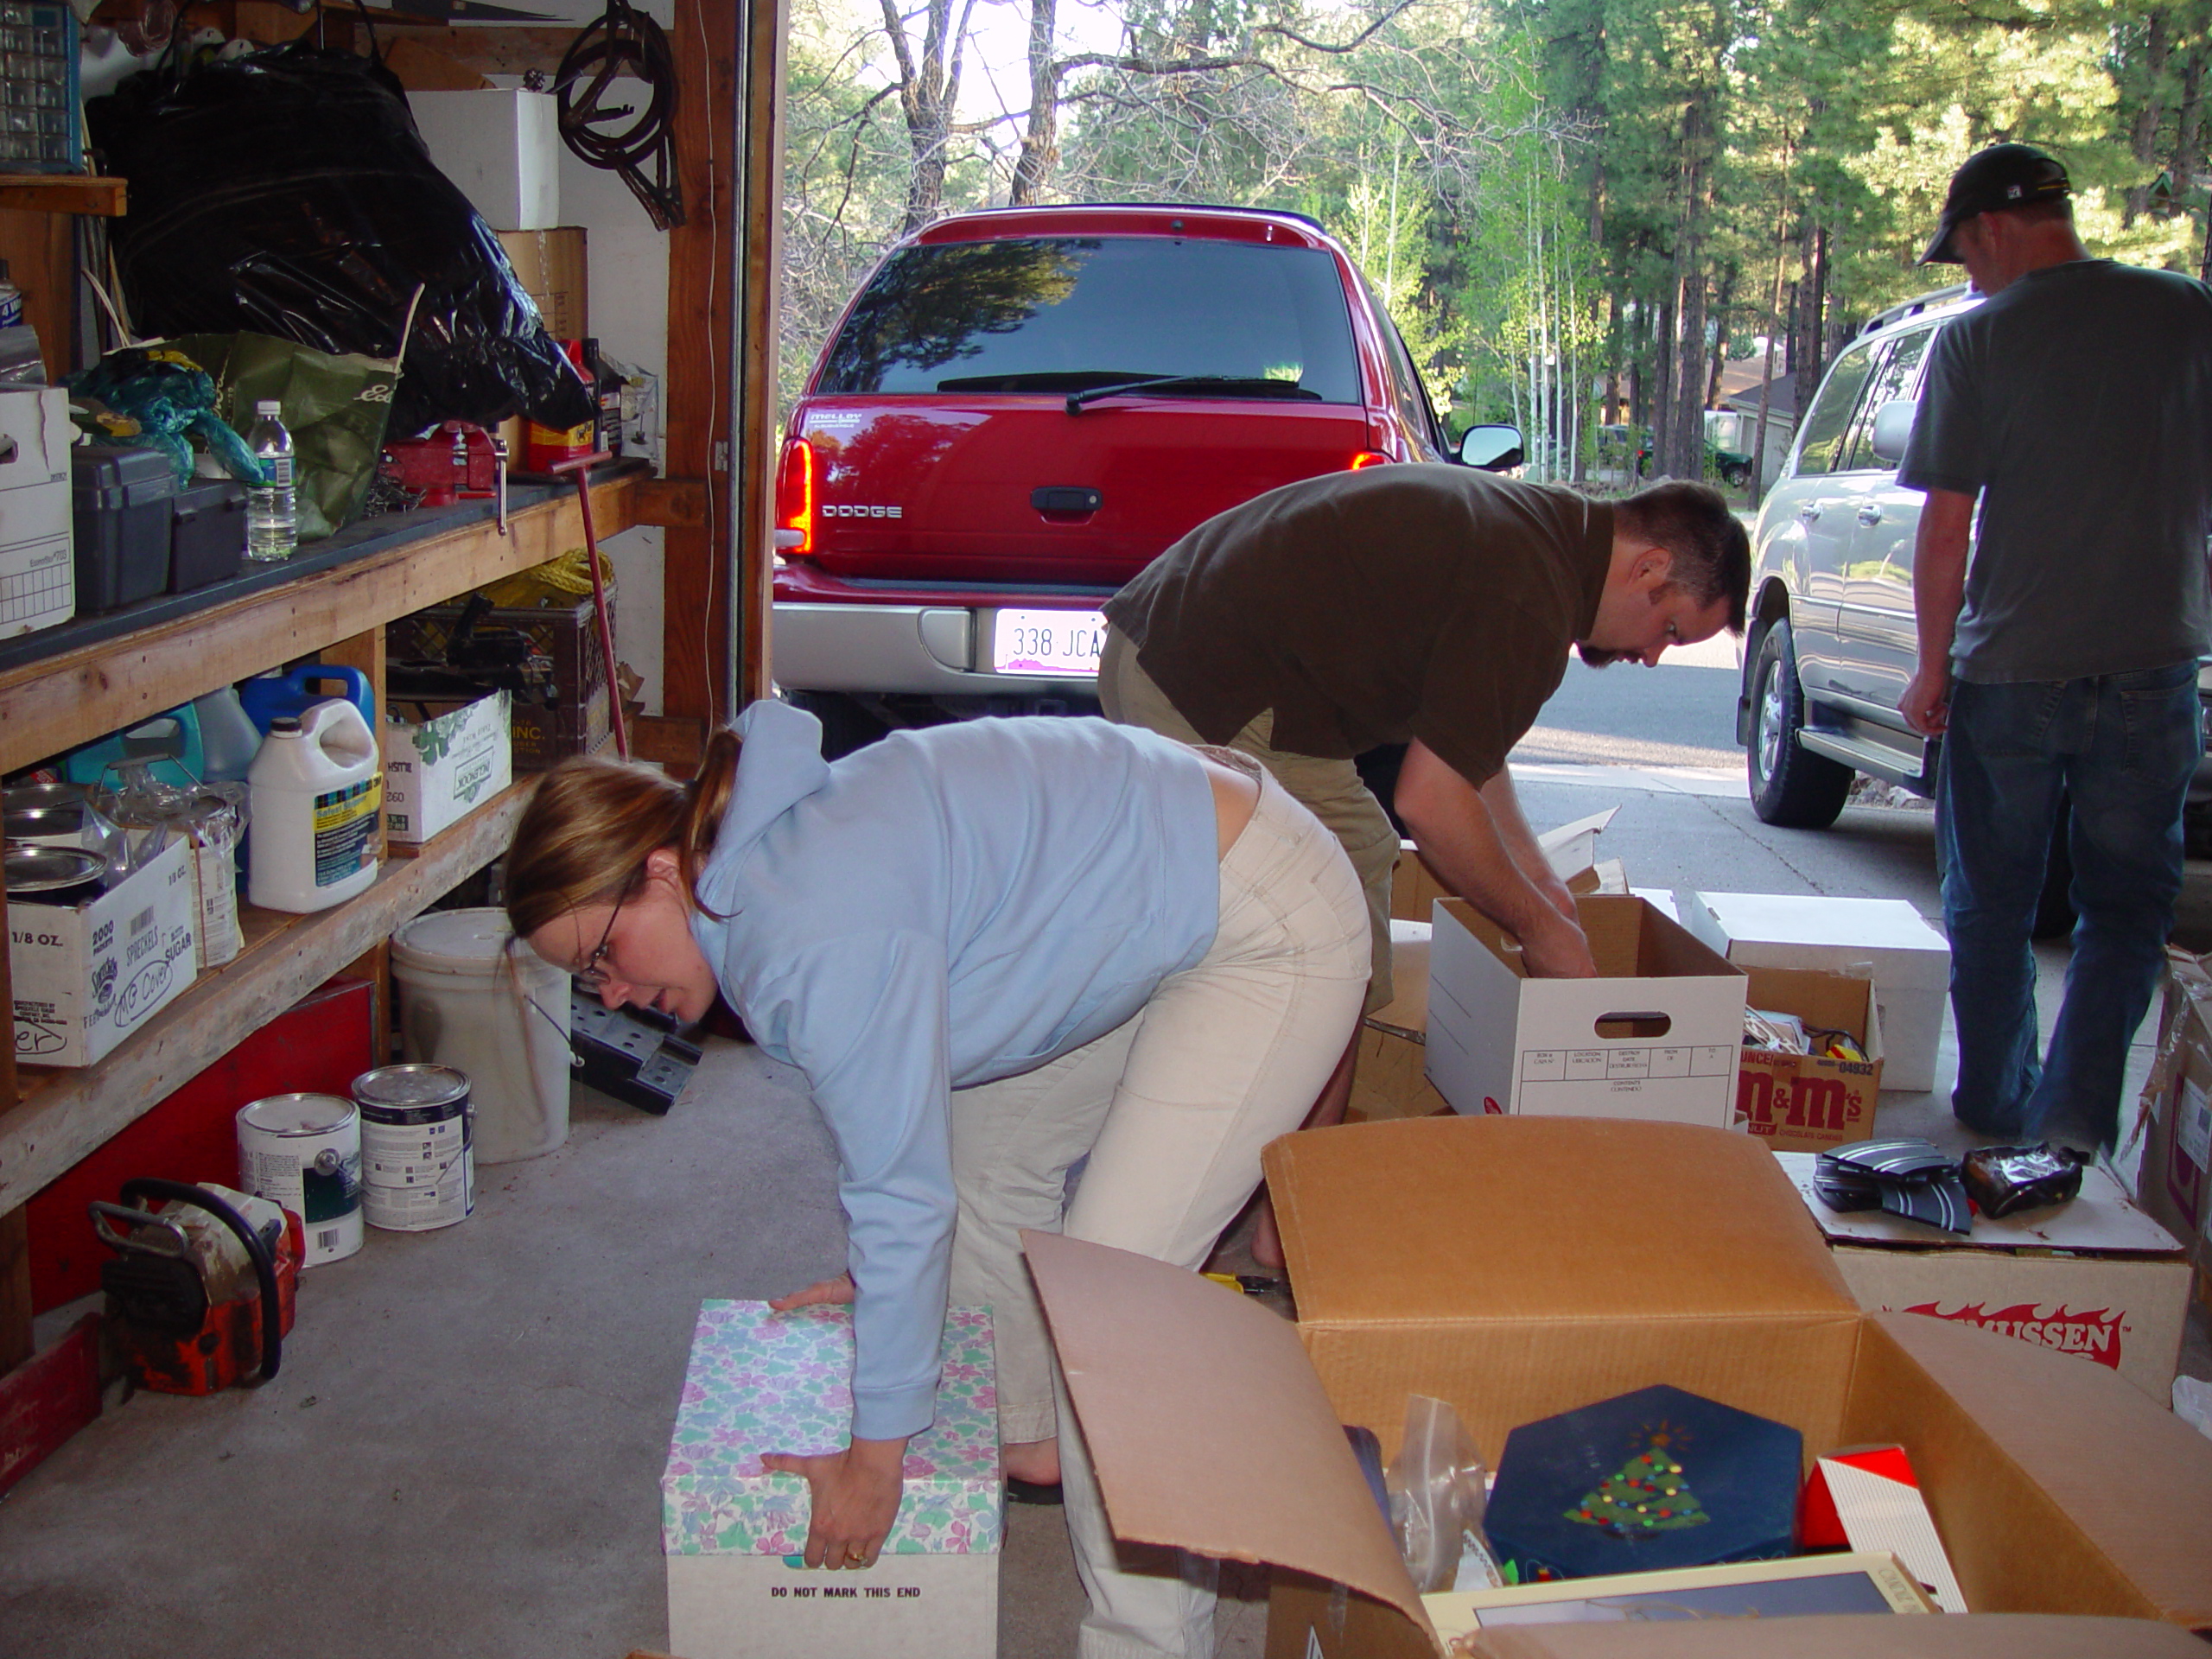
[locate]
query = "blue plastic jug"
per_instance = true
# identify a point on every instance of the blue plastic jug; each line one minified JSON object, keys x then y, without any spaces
{"x":270,"y":696}
{"x":170,"y":740}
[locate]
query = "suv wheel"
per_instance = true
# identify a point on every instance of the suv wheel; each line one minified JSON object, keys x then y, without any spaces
{"x":1790,"y":786}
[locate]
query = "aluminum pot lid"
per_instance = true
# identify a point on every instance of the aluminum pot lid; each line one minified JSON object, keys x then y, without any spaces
{"x":46,"y":869}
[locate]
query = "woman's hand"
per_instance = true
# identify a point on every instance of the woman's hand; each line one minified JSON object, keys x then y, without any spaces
{"x":856,"y":1498}
{"x":839,"y":1289}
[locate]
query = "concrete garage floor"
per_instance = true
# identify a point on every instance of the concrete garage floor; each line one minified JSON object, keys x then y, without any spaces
{"x":462,"y":1453}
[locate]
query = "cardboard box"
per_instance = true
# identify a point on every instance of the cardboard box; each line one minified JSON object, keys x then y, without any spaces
{"x":38,"y":567}
{"x":438,"y":770}
{"x":1502,"y":1265}
{"x":1391,"y":1077}
{"x":2095,"y":1278}
{"x":581,"y":719}
{"x":1957,"y":1636}
{"x":1571,"y":849}
{"x":2173,"y":1182}
{"x":86,"y":977}
{"x":1910,"y":961}
{"x":1655,"y":1036}
{"x":732,"y":1532}
{"x":1807,"y":1103}
{"x":501,"y":147}
{"x":552,"y":267}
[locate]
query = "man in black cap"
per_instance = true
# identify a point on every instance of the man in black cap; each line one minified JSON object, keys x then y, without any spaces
{"x":2060,"y":663}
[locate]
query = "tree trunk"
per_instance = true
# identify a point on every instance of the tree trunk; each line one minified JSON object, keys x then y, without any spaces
{"x":928,"y":91}
{"x":2146,"y":135}
{"x":2189,"y":133}
{"x":1041,"y":140}
{"x":1810,"y":293}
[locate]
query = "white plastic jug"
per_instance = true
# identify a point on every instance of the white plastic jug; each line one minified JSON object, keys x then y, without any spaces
{"x":474,"y":997}
{"x":318,"y":795}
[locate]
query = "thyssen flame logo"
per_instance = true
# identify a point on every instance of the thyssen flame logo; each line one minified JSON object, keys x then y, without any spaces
{"x":2093,"y":1335}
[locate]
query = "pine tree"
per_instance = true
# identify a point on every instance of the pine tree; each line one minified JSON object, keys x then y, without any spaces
{"x":1649,"y":1493}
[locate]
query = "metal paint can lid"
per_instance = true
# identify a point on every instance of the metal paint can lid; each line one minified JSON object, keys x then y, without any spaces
{"x":301,"y":1115}
{"x":51,"y":875}
{"x":415,"y":1084}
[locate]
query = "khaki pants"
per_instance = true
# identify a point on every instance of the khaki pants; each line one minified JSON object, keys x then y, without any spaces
{"x":1171,"y":1109}
{"x":1330,"y":790}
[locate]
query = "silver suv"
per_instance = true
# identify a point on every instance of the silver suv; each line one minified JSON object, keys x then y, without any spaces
{"x":1832,"y":641}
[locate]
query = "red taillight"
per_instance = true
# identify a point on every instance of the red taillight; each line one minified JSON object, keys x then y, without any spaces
{"x":795,"y":499}
{"x":1367,"y":458}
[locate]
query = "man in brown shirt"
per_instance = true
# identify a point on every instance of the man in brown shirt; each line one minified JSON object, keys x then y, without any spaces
{"x":1429,"y":605}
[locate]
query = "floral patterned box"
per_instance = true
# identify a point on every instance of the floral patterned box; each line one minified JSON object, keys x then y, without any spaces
{"x":761,"y":1381}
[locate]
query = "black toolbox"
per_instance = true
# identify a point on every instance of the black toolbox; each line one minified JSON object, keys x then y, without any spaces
{"x":119,"y":499}
{"x":207,"y":533}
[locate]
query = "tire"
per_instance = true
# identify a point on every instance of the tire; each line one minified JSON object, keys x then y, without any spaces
{"x":1791,"y":786}
{"x":1736,"y":477}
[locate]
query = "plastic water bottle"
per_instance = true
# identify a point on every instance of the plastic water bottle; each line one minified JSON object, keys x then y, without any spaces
{"x":11,"y":301}
{"x":272,"y":527}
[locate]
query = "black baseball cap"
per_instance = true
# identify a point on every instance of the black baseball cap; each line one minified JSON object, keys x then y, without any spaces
{"x":2003,"y":175}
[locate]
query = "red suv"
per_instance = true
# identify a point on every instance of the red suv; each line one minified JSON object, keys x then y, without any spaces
{"x":1022,"y":408}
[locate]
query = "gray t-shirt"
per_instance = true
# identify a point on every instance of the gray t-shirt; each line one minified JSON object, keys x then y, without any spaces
{"x":2078,"y":402}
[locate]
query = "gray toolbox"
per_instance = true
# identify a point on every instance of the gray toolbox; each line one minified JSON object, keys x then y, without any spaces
{"x":120,"y":502}
{"x":207,"y":533}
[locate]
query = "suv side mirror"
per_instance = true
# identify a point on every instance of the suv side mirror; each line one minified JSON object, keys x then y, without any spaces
{"x":1492,"y":448}
{"x":1893,"y":429}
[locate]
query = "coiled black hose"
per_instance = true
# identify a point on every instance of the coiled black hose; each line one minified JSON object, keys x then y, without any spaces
{"x":624,"y":44}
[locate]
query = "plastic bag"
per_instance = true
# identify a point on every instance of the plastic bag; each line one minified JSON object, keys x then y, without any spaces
{"x":287,"y":192}
{"x":335,"y":407}
{"x":1438,"y":1493}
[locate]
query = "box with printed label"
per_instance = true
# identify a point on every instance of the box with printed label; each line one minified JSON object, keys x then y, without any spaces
{"x":1805,"y":1102}
{"x":2095,"y":1277}
{"x":500,"y":148}
{"x":734,"y":1535}
{"x":1590,"y":1258}
{"x":1655,"y":1036}
{"x":86,"y":977}
{"x":2174,"y":1121}
{"x":1391,"y":1078}
{"x":442,"y":763}
{"x":580,"y":718}
{"x":1908,"y":960}
{"x":38,"y":568}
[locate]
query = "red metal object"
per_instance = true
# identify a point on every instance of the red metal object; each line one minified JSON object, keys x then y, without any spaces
{"x":580,"y":469}
{"x":47,"y":1398}
{"x":458,"y":462}
{"x":227,"y":1348}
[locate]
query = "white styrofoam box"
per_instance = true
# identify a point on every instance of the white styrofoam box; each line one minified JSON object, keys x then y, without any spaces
{"x":38,"y":571}
{"x":1656,"y":1037}
{"x":2095,"y":1277}
{"x":86,"y":977}
{"x":437,"y":771}
{"x":768,"y":1606}
{"x":501,"y":147}
{"x":1910,"y":961}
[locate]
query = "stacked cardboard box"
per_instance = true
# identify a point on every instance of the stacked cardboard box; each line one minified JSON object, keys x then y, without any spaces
{"x":1516,"y":1268}
{"x":2174,"y":1181}
{"x":580,"y":719}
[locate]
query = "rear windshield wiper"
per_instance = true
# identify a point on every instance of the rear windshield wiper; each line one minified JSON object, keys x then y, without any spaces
{"x":1222,"y":386}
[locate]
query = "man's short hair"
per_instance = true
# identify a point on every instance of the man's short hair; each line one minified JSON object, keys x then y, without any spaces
{"x":1693,"y":521}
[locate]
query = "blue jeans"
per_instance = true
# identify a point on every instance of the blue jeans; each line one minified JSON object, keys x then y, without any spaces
{"x":2121,"y":748}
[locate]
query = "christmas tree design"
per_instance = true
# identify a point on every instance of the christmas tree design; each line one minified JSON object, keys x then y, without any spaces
{"x":1648,"y":1494}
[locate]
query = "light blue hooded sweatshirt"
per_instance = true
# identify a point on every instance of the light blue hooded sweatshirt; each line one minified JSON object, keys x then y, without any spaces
{"x":943,"y":909}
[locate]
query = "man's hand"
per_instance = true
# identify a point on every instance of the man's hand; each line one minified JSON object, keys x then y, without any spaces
{"x":1559,"y":897}
{"x":855,"y":1499}
{"x":1926,"y":704}
{"x":839,"y":1289}
{"x":1554,"y":948}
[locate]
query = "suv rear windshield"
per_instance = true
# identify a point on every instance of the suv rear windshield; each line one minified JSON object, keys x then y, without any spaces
{"x":1067,"y":314}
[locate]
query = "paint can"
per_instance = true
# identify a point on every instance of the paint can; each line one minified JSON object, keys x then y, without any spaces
{"x":418,"y":1147}
{"x":304,"y":1151}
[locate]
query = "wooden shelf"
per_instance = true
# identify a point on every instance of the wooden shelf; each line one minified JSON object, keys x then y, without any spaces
{"x":61,"y":193}
{"x":82,"y":693}
{"x":64,"y":1114}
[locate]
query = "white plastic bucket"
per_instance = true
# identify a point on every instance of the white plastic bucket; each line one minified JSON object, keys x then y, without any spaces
{"x":318,"y":792}
{"x":303,"y":1152}
{"x":474,"y":997}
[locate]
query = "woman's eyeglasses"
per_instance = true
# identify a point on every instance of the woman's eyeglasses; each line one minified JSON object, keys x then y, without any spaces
{"x":592,"y":975}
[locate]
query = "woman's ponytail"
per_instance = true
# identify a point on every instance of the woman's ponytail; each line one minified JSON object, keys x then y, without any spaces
{"x":591,"y":824}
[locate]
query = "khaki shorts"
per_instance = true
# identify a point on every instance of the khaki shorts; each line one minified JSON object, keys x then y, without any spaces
{"x":1330,"y":790}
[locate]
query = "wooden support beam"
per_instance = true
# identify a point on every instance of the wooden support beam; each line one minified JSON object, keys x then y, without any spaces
{"x":15,"y":1289}
{"x":670,"y":740}
{"x":701,"y":283}
{"x":672,"y":503}
{"x":764,"y":23}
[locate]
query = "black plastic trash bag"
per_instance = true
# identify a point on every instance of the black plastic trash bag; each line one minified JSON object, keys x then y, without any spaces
{"x":287,"y":192}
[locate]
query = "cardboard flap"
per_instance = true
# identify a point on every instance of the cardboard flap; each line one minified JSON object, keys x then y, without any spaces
{"x":1545,"y":1218}
{"x":2015,"y":1636}
{"x":1207,"y":1428}
{"x":1571,"y":849}
{"x":2134,"y":1481}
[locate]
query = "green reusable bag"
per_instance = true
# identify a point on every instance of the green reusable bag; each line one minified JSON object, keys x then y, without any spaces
{"x":335,"y":407}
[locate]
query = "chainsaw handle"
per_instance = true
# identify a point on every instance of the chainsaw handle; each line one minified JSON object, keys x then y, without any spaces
{"x":265,"y":1266}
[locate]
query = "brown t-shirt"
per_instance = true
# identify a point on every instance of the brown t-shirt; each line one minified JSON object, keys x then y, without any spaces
{"x":1428,"y":601}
